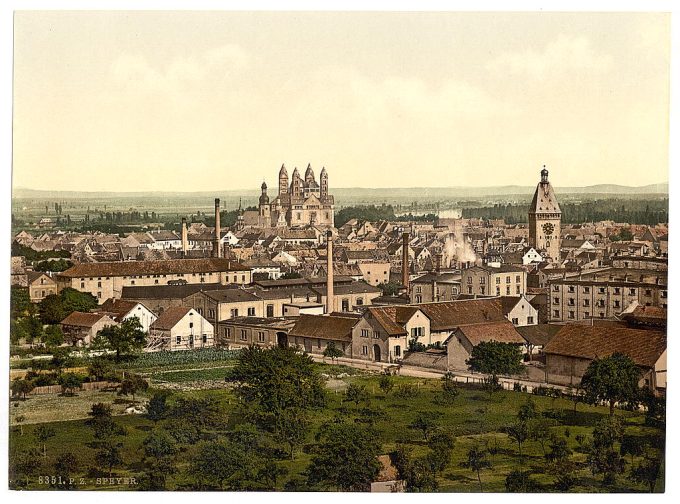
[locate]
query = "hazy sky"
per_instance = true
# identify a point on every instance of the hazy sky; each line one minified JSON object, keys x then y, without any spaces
{"x":218,"y":100}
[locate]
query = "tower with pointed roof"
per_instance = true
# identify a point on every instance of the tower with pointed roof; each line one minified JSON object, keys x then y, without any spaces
{"x":545,"y":219}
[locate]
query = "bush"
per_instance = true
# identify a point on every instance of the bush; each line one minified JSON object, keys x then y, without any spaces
{"x":406,"y":391}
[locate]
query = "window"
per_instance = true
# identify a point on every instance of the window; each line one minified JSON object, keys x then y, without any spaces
{"x":498,"y":280}
{"x":469,"y":279}
{"x":419,"y":288}
{"x":99,"y":294}
{"x":469,"y":290}
{"x":586,"y":314}
{"x":211,"y":313}
{"x":99,"y":284}
{"x":507,"y":290}
{"x":360,"y":301}
{"x":571,"y":314}
{"x":132,"y":282}
{"x":556,"y":288}
{"x":602,"y":290}
{"x":507,"y":279}
{"x":364,"y":333}
{"x":397,"y":351}
{"x":364,"y":350}
{"x":530,"y":320}
{"x":617,"y":290}
{"x":345,"y":304}
{"x":617,"y":304}
{"x":234,"y":312}
{"x":481,"y":289}
{"x":178,"y":340}
{"x":244,"y":334}
{"x":419,"y":298}
{"x":191,"y":325}
{"x":270,"y":310}
{"x":417,"y":332}
{"x":82,"y":285}
{"x":204,"y":339}
{"x":376,"y":335}
{"x":601,"y":314}
{"x":664,"y":294}
{"x":518,"y":289}
{"x":515,"y":321}
{"x":318,"y":342}
{"x":648,"y":292}
{"x":517,"y":279}
{"x":586,"y":290}
{"x":251,"y":311}
{"x":556,"y":313}
{"x":260,"y":336}
{"x":571,"y":302}
{"x":586,"y":302}
{"x":571,"y":288}
{"x":556,"y":300}
{"x":498,"y":291}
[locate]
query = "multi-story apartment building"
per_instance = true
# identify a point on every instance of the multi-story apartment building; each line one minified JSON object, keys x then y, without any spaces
{"x":487,"y":281}
{"x":605,"y":293}
{"x":107,"y":279}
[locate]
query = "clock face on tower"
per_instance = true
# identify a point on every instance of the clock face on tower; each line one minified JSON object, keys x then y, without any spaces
{"x":548,"y":228}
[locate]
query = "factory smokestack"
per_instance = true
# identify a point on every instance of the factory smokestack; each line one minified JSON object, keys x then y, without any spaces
{"x":404,"y":261}
{"x":329,"y":275}
{"x":185,"y":240}
{"x":217,"y":249}
{"x":438,"y":263}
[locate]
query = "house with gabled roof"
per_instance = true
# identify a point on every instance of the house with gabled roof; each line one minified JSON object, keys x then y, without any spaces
{"x":81,"y":328}
{"x":180,"y":328}
{"x":460,"y":344}
{"x":123,"y":309}
{"x":313,"y":333}
{"x":569,"y":353}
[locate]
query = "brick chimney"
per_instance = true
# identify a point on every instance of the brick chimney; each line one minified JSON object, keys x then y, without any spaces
{"x":217,"y":250}
{"x":185,"y":240}
{"x":404,"y":262}
{"x":329,"y":270}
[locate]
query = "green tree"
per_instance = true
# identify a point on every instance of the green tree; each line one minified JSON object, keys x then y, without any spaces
{"x":25,"y":464}
{"x":42,"y":434}
{"x":424,"y":423}
{"x":332,"y":352}
{"x":494,"y":358}
{"x":70,"y":382}
{"x":612,"y":379}
{"x":386,"y":384}
{"x":357,"y":394}
{"x":101,"y":422}
{"x":109,"y":455}
{"x":216,"y":464}
{"x":272,"y":380}
{"x":291,"y":428}
{"x":647,"y":473}
{"x":132,"y":384}
{"x":99,"y":368}
{"x":476,"y":462}
{"x":518,"y":432}
{"x":449,"y":387}
{"x":160,"y":449}
{"x":51,"y":309}
{"x":53,"y":336}
{"x":20,"y":302}
{"x":633,"y":446}
{"x":602,"y":457}
{"x":389,"y":288}
{"x":66,"y":465}
{"x":56,"y":307}
{"x":158,"y":408}
{"x":559,"y":450}
{"x":441,"y":448}
{"x":125,"y":339}
{"x":20,"y":388}
{"x":520,"y":482}
{"x":347,"y":458}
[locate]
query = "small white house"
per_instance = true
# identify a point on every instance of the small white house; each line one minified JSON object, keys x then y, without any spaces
{"x":180,"y":328}
{"x":122,"y":309}
{"x":531,"y":256}
{"x":519,"y":311}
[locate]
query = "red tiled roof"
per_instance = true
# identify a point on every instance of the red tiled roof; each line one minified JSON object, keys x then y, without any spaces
{"x":82,"y":319}
{"x":502,"y":332}
{"x":451,"y":314}
{"x":129,"y":268}
{"x":169,"y":318}
{"x":325,"y":327}
{"x":393,"y":318}
{"x":643,"y":346}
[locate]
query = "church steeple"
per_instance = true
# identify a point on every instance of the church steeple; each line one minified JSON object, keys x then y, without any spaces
{"x":544,"y":175}
{"x":545,"y":219}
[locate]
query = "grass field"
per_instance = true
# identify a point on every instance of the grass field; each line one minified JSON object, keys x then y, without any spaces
{"x":474,"y":417}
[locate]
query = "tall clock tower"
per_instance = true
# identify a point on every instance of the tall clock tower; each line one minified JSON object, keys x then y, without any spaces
{"x":545,"y":219}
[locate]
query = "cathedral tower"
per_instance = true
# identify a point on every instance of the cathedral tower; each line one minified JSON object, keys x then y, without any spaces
{"x":545,"y":219}
{"x":323,"y":182}
{"x":283,"y":180}
{"x":265,"y":213}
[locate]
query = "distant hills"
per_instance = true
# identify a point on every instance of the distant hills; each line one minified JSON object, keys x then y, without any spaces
{"x":356,"y":192}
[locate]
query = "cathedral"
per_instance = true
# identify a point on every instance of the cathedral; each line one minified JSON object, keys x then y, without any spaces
{"x":545,"y":218}
{"x":302,"y":202}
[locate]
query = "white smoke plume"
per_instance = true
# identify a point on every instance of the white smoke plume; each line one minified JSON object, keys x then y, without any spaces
{"x":456,"y":249}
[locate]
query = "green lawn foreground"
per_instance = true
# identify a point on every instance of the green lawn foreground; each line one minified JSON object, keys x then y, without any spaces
{"x":475,"y":416}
